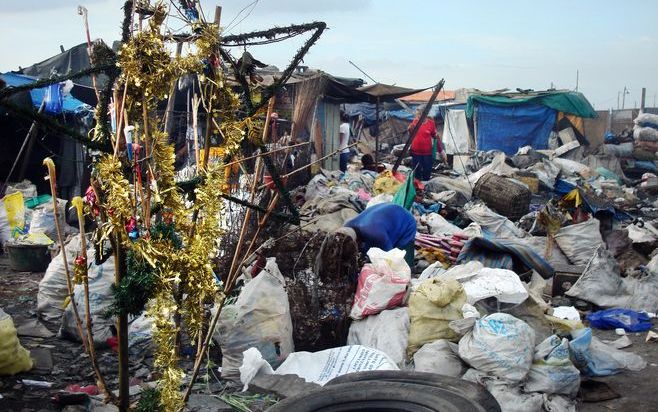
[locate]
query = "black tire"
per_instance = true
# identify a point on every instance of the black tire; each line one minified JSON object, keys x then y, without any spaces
{"x":377,"y":396}
{"x":440,"y":383}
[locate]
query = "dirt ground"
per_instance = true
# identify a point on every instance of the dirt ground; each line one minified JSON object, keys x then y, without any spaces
{"x":69,"y":365}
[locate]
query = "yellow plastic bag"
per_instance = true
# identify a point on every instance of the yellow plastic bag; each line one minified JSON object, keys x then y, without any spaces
{"x":431,"y":308}
{"x":386,"y":183}
{"x":15,"y":213}
{"x":14,"y":358}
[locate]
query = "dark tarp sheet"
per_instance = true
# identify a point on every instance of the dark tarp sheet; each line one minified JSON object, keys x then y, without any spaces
{"x":511,"y":127}
{"x":562,"y":101}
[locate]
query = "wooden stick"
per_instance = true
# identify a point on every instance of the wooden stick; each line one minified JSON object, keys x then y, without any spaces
{"x":265,"y":153}
{"x":52,"y":176}
{"x":227,"y":288}
{"x":195,"y":114}
{"x":100,"y":381}
{"x":299,"y":169}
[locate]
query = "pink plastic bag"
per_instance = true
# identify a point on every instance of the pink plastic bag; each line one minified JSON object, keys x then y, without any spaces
{"x":382,"y":284}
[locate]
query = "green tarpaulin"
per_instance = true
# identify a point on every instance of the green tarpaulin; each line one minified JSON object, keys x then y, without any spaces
{"x":563,"y":101}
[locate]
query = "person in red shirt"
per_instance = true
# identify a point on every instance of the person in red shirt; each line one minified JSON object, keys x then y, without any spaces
{"x":421,"y":147}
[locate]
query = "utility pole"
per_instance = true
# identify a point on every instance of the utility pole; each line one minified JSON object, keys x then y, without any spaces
{"x":618,"y":93}
{"x":577,"y":76}
{"x":642,"y":100}
{"x":623,"y":99}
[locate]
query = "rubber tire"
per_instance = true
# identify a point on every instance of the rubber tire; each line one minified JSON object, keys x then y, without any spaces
{"x":376,"y":396}
{"x":441,"y":383}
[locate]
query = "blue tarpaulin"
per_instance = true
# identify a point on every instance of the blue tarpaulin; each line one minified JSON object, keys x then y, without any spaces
{"x":507,"y":128}
{"x":56,"y":104}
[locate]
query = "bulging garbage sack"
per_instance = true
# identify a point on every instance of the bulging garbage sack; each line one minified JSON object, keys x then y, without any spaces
{"x":14,"y":358}
{"x":259,"y":318}
{"x":499,"y":344}
{"x":382,"y":284}
{"x":552,"y":370}
{"x":387,"y":331}
{"x":101,"y":279}
{"x":595,"y":358}
{"x":52,"y":287}
{"x":439,"y":357}
{"x":321,"y":367}
{"x":630,"y":320}
{"x":432,"y":306}
{"x":580,"y":241}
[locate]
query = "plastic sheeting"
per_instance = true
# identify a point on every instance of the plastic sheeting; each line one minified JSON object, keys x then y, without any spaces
{"x":510,"y":128}
{"x":456,"y":135}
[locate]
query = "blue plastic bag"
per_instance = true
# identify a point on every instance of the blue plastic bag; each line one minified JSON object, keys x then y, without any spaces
{"x":630,"y":320}
{"x":594,"y":358}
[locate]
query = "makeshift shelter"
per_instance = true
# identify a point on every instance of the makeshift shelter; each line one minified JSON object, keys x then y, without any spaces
{"x":508,"y":121}
{"x":24,"y":152}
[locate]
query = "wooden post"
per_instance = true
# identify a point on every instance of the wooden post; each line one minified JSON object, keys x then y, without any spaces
{"x":377,"y":132}
{"x":420,"y":122}
{"x":29,"y":142}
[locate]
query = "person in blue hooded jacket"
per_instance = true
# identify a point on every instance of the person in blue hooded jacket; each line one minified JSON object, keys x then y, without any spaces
{"x":385,"y":226}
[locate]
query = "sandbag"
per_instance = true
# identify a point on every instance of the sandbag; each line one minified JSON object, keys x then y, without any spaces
{"x":14,"y":358}
{"x":439,"y":357}
{"x":43,"y":219}
{"x":602,"y":285}
{"x":595,"y":358}
{"x":552,"y":370}
{"x":619,"y":150}
{"x":431,"y":308}
{"x":499,"y":344}
{"x":507,"y":394}
{"x":387,"y":331}
{"x":382,"y":284}
{"x":506,"y":196}
{"x":101,"y":279}
{"x":259,"y":318}
{"x":52,"y":287}
{"x":580,"y":241}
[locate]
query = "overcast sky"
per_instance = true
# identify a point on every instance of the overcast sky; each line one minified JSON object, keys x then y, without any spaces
{"x":478,"y":43}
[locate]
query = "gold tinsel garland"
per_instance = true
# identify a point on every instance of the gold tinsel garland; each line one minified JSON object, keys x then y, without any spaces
{"x":148,"y":71}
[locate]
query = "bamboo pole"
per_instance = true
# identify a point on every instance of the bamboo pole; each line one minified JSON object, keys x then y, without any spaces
{"x":100,"y":381}
{"x":299,"y":169}
{"x":52,"y":176}
{"x":228,"y":286}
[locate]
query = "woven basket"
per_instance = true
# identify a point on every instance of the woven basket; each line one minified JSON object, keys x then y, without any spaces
{"x":529,"y":179}
{"x":503,"y":195}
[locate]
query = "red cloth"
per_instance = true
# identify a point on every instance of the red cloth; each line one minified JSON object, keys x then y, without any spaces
{"x":422,"y":144}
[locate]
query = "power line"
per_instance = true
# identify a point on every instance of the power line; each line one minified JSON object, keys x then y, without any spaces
{"x":230,"y":26}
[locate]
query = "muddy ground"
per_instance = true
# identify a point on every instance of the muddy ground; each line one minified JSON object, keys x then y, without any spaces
{"x":63,"y":362}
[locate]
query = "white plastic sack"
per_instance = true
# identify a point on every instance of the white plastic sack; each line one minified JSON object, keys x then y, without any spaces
{"x":52,"y":287}
{"x":43,"y":219}
{"x":100,"y":298}
{"x":387,"y":331}
{"x":27,"y":188}
{"x":5,"y":230}
{"x":499,"y":344}
{"x":552,"y":370}
{"x":321,"y":367}
{"x":646,"y":119}
{"x":595,"y":358}
{"x":382,"y":284}
{"x":546,"y":171}
{"x":580,"y":241}
{"x":646,"y":134}
{"x":438,"y":225}
{"x":602,"y":285}
{"x":498,"y":225}
{"x":572,"y":168}
{"x":253,"y":364}
{"x":619,"y":150}
{"x":502,"y":284}
{"x":640,"y":234}
{"x":439,"y":357}
{"x":379,"y":199}
{"x":259,"y":318}
{"x":507,"y":394}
